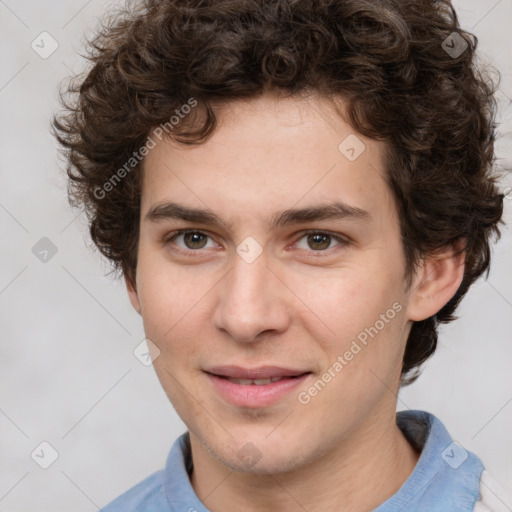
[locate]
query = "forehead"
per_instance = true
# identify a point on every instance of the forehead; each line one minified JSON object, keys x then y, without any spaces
{"x":267,"y":154}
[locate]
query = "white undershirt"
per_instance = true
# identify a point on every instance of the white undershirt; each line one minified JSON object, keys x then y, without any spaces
{"x":493,"y":497}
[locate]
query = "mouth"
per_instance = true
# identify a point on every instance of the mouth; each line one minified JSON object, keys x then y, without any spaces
{"x":256,"y":382}
{"x":255,"y":387}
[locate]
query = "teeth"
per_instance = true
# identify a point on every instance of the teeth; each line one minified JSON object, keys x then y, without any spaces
{"x":257,"y":382}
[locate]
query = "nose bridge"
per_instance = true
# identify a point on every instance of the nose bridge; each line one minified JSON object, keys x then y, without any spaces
{"x":250,"y":277}
{"x":251,"y":300}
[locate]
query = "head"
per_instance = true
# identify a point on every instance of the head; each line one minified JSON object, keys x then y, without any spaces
{"x":251,"y":111}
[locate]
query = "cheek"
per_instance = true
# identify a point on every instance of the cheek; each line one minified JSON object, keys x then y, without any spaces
{"x":166,"y":299}
{"x":361,"y":332}
{"x":165,"y":289}
{"x":341,"y":304}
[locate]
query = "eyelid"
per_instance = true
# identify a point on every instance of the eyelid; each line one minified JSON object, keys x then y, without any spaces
{"x":341,"y":239}
{"x":169,"y":237}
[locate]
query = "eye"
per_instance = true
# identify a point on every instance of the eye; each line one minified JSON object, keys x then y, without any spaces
{"x":320,"y":241}
{"x":189,"y":241}
{"x":192,"y":240}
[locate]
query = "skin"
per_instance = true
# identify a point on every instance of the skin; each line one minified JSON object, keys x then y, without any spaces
{"x":295,"y":306}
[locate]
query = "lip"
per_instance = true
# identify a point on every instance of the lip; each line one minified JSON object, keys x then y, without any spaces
{"x":259,"y":372}
{"x":253,"y":395}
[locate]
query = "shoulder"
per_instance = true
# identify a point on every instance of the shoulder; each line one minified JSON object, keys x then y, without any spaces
{"x":493,"y":498}
{"x":164,"y":490}
{"x":148,"y":495}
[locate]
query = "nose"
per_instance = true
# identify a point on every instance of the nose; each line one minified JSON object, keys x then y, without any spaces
{"x":252,"y":301}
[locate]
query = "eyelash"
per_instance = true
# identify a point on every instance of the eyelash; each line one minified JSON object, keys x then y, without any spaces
{"x":313,"y":254}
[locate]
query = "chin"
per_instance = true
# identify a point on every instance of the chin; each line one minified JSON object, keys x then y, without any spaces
{"x":258,"y":453}
{"x":269,"y":463}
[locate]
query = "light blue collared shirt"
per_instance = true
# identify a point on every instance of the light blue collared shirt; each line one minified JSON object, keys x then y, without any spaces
{"x":445,"y":479}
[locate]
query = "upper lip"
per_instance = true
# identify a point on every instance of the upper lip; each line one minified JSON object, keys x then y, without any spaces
{"x":260,"y":372}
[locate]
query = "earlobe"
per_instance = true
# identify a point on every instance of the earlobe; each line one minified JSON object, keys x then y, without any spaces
{"x":438,"y":280}
{"x":131,"y":287}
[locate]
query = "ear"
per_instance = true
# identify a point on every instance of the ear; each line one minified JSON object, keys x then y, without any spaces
{"x":437,"y":281}
{"x":131,"y":287}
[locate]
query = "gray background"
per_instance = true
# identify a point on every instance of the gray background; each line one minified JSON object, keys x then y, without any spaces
{"x":69,"y":376}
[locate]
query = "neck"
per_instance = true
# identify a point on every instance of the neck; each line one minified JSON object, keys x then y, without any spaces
{"x":358,"y":474}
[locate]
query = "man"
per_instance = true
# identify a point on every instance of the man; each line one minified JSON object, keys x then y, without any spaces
{"x":296,"y":194}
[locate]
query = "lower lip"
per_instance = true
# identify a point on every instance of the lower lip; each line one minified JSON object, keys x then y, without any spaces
{"x":252,"y":395}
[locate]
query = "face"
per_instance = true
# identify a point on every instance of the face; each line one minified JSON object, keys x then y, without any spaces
{"x":294,"y":271}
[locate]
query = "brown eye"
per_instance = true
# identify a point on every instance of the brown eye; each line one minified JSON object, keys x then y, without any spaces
{"x":194,"y":240}
{"x":319,"y":241}
{"x":189,"y":240}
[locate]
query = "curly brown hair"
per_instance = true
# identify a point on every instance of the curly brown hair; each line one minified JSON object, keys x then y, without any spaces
{"x":389,"y":60}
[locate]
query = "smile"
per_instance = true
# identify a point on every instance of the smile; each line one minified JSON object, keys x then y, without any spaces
{"x":258,"y":387}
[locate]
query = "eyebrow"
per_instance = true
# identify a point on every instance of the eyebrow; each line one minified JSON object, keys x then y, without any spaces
{"x":337,"y":210}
